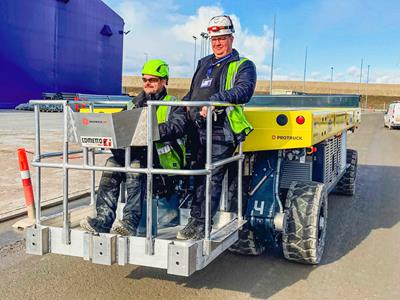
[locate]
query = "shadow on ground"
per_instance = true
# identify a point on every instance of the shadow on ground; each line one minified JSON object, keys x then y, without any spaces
{"x":351,"y":220}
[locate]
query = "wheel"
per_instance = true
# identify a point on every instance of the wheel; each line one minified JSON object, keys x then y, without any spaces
{"x":347,"y":184}
{"x":303,"y":236}
{"x":247,"y":244}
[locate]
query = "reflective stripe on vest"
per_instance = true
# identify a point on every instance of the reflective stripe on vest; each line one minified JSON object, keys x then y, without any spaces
{"x":168,"y":156}
{"x":235,"y":114}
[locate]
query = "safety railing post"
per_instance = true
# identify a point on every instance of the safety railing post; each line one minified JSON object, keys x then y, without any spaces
{"x":240,"y":183}
{"x":149,"y":248}
{"x":38,"y":193}
{"x":66,"y":216}
{"x":206,"y":248}
{"x":85,"y":157}
{"x":93,"y":173}
{"x":92,"y":177}
{"x":127,"y":165}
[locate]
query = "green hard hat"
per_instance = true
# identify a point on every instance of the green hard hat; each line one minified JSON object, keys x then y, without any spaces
{"x":156,"y":67}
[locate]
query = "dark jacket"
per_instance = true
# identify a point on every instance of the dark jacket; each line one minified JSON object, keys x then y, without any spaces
{"x":245,"y":83}
{"x":174,"y":128}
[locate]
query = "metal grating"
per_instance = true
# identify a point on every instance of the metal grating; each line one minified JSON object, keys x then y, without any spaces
{"x":295,"y":171}
{"x":329,"y":159}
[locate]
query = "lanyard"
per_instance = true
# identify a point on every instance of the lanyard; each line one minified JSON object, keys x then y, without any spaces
{"x":211,"y":67}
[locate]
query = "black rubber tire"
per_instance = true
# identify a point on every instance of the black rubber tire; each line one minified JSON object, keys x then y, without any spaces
{"x":247,"y":243}
{"x":347,"y":184}
{"x":304,"y":232}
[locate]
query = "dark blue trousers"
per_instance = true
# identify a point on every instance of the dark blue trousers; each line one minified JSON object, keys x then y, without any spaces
{"x":222,"y":148}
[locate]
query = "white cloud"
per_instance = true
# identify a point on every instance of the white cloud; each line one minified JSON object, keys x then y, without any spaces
{"x":193,"y":25}
{"x":385,"y":76}
{"x":352,"y":74}
{"x":158,"y":29}
{"x":353,"y":71}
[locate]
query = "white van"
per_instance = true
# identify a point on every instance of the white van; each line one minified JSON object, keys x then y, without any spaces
{"x":392,"y":115}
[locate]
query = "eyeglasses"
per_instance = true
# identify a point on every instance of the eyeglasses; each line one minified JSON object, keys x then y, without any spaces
{"x":151,"y":80}
{"x":220,"y":38}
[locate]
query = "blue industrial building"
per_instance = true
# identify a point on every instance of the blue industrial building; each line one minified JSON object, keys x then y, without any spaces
{"x":72,"y":46}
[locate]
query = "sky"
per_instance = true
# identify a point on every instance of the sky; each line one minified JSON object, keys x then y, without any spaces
{"x":337,"y":34}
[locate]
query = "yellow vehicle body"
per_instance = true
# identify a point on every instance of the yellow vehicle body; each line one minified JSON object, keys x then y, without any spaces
{"x":319,"y":124}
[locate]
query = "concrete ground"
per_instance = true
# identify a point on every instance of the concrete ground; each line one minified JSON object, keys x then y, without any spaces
{"x":17,"y":131}
{"x":361,"y":259}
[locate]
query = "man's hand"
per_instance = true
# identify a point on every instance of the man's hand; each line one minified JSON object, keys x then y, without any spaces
{"x":203,"y":111}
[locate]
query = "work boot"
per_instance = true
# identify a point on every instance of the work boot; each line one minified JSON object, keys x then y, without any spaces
{"x":200,"y":232}
{"x":123,"y":228}
{"x":194,"y":229}
{"x":94,"y":225}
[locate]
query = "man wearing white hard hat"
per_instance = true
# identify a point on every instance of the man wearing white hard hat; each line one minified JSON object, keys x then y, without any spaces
{"x":223,"y":76}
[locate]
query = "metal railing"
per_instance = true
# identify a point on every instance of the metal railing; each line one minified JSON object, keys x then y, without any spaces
{"x":149,"y":170}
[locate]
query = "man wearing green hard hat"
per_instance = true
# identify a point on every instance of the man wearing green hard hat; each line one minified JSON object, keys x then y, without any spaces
{"x":169,"y":154}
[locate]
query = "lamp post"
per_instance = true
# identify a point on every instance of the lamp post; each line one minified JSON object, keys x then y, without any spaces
{"x":194,"y":55}
{"x":361,"y":70}
{"x":204,"y":37}
{"x":366,"y":89}
{"x":207,"y":46}
{"x":330,"y":90}
{"x":305,"y":70}
{"x":272,"y":58}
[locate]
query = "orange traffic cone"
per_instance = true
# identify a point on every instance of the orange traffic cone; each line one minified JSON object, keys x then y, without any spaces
{"x":26,"y":182}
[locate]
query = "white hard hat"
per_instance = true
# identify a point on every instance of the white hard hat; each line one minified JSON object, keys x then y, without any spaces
{"x":220,"y":25}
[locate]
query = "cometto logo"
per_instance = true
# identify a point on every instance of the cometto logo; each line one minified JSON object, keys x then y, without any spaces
{"x":86,"y":121}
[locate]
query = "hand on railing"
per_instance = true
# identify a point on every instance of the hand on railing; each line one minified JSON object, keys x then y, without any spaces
{"x":200,"y":121}
{"x":203,"y":111}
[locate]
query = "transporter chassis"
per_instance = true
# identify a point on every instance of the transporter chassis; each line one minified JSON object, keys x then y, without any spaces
{"x":252,"y":213}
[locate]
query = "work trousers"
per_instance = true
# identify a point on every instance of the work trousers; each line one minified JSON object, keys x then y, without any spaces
{"x":221,"y":148}
{"x":109,"y":190}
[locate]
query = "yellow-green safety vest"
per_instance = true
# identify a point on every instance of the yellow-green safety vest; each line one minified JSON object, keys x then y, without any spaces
{"x":235,"y":114}
{"x":168,"y":156}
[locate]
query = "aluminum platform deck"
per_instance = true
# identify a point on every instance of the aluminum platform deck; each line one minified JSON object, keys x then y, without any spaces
{"x":176,"y":256}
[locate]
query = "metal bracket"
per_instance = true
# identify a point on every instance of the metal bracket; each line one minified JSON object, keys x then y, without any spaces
{"x":182,"y":259}
{"x":87,"y":246}
{"x":37,"y":240}
{"x":104,"y":249}
{"x":123,"y":250}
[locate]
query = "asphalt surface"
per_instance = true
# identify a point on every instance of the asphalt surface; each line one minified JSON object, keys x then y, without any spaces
{"x":361,"y":259}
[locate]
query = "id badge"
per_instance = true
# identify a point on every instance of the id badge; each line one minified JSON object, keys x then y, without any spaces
{"x":206,"y":82}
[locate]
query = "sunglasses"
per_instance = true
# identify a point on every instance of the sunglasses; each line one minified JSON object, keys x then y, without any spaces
{"x":219,"y":38}
{"x":151,"y":80}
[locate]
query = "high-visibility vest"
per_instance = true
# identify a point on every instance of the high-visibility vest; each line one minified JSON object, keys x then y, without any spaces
{"x":235,"y":114}
{"x":172,"y":154}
